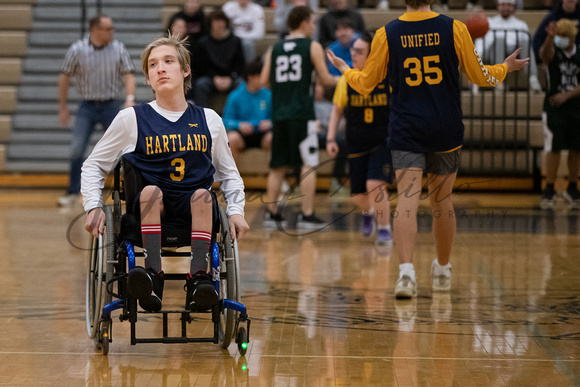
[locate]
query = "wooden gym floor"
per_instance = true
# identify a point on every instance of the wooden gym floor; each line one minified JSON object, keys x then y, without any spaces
{"x":322,"y":305}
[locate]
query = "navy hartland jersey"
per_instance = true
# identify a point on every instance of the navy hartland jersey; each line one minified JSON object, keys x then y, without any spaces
{"x":424,"y":74}
{"x":367,"y":118}
{"x":175,"y":156}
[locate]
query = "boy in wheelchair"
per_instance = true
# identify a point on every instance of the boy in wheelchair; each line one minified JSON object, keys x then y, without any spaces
{"x":179,"y":150}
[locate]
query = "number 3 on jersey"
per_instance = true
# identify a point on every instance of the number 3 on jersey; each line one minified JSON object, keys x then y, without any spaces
{"x":431,"y":74}
{"x":288,"y":68}
{"x":179,"y":165}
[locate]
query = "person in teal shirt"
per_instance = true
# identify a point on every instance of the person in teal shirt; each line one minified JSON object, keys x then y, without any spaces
{"x":248,"y":113}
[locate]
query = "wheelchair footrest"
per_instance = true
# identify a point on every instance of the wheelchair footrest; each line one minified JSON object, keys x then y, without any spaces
{"x":166,"y":339}
{"x":174,"y":340}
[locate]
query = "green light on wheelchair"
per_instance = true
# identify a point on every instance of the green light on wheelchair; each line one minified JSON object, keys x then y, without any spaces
{"x":244,"y":345}
{"x":244,"y":367}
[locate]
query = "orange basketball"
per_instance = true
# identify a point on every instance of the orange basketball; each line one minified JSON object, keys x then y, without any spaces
{"x":477,"y":25}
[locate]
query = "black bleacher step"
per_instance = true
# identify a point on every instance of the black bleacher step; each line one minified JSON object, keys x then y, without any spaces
{"x":46,"y":137}
{"x":119,"y":12}
{"x":36,"y":107}
{"x":44,"y":52}
{"x":44,"y":65}
{"x":39,"y":79}
{"x":65,"y":39}
{"x":50,"y":93}
{"x":38,"y":151}
{"x":91,"y":4}
{"x":36,"y":121}
{"x":41,"y":165}
{"x":42,"y":93}
{"x":51,"y":79}
{"x":57,"y":136}
{"x":74,"y":26}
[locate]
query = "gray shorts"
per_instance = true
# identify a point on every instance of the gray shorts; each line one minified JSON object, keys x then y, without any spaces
{"x":439,"y":163}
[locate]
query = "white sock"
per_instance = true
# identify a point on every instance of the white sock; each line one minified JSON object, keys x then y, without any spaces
{"x":441,"y":269}
{"x":407,"y":269}
{"x":385,"y":227}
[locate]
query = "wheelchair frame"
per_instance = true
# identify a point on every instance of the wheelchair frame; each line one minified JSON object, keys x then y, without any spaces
{"x":109,"y":259}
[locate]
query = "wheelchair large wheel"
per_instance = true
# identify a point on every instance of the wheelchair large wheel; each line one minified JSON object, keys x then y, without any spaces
{"x":228,"y":280}
{"x":101,"y":257}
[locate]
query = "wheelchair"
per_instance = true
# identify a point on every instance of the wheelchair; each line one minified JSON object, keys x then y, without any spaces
{"x":112,"y":256}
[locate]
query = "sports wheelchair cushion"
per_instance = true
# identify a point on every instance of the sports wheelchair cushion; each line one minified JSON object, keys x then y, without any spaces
{"x":171,"y":236}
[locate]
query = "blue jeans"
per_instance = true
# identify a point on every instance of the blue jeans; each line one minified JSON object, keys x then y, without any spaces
{"x":89,"y":114}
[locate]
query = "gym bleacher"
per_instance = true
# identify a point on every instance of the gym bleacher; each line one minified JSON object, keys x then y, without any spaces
{"x":35,"y":34}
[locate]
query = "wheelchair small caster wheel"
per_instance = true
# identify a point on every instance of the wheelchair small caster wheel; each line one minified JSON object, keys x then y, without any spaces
{"x":104,"y":338}
{"x":242,"y":341}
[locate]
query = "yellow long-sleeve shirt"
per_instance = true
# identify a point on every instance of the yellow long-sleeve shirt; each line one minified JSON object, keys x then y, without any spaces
{"x":421,"y":54}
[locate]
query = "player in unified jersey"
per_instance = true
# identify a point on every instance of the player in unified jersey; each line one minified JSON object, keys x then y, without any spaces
{"x":420,"y":53}
{"x":179,"y":149}
{"x":369,"y":159}
{"x":288,"y":71}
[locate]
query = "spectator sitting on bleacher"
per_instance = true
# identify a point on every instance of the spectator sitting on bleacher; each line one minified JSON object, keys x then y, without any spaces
{"x":345,"y":37}
{"x":248,"y":113}
{"x":562,"y":108}
{"x":219,"y":60}
{"x":178,"y":27}
{"x":247,"y":24}
{"x":567,"y":9}
{"x":338,"y":9}
{"x":507,"y":33}
{"x":195,"y":20}
{"x":283,"y":9}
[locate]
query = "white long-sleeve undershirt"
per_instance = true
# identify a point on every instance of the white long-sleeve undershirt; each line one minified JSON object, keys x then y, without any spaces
{"x":121,"y":138}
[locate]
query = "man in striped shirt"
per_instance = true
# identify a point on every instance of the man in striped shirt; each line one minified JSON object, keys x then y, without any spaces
{"x":102,"y":68}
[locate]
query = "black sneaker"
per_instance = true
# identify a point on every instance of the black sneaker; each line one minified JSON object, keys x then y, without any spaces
{"x":201,"y":294}
{"x":310,"y":222}
{"x":272,"y":219}
{"x":147,"y":287}
{"x":572,"y":194}
{"x":548,"y":196}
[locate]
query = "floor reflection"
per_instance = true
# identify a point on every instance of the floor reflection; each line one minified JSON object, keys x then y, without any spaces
{"x":322,"y":307}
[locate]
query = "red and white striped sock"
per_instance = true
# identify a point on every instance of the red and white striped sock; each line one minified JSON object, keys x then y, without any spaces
{"x":151,"y":234}
{"x":200,"y":244}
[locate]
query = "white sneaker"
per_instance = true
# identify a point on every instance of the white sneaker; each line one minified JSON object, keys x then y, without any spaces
{"x":68,"y":200}
{"x":406,"y":288}
{"x":441,"y":282}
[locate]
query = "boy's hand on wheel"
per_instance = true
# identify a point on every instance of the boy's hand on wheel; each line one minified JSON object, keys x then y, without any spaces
{"x":238,"y":226}
{"x":95,"y":223}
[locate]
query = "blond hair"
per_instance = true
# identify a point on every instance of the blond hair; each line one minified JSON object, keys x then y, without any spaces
{"x":183,"y":56}
{"x":567,"y":27}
